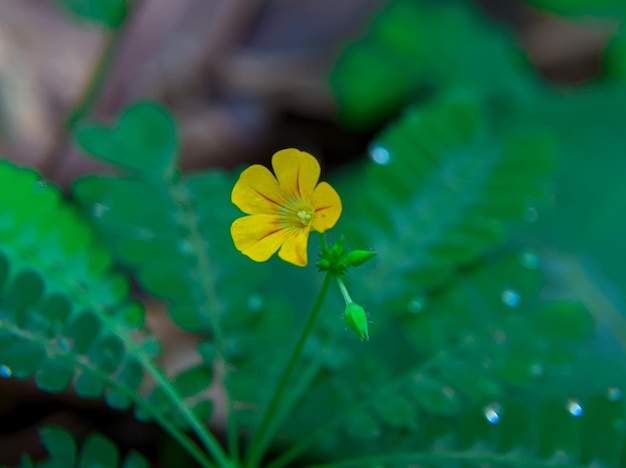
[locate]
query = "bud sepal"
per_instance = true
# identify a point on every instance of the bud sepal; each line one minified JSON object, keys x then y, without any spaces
{"x":336,"y":259}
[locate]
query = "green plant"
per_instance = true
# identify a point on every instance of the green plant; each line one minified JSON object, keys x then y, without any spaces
{"x":494,"y":335}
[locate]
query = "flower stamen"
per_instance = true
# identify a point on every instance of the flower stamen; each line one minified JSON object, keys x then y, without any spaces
{"x":305,"y":218}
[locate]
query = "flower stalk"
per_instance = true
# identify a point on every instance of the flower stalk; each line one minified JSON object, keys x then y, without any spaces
{"x":262,"y":437}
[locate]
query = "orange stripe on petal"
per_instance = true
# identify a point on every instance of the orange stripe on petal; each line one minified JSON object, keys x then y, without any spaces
{"x":327,"y":206}
{"x":258,"y":236}
{"x":297,"y":172}
{"x":257,"y":191}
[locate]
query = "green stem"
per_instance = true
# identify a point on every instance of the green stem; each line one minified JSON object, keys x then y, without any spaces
{"x":232,"y":432}
{"x":86,"y":100}
{"x":358,"y":405}
{"x":323,"y":242}
{"x":189,"y":219}
{"x":262,"y":438}
{"x":344,"y":290}
{"x":208,"y":440}
{"x":53,"y":350}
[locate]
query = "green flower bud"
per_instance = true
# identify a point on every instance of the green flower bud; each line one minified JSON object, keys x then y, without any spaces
{"x":356,"y":319}
{"x":358,"y":257}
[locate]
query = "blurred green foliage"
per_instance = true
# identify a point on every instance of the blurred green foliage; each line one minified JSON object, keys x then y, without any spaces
{"x":609,"y":8}
{"x":107,"y":13}
{"x":97,"y":450}
{"x":496,"y":299}
{"x":413,"y":48}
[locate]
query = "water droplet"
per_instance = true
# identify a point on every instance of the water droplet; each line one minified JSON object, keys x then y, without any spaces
{"x":491,"y":412}
{"x":614,"y":394}
{"x":255,"y":303}
{"x":511,"y":298}
{"x":574,"y":408}
{"x":531,"y":215}
{"x":41,"y":186}
{"x":536,"y":369}
{"x":416,"y":304}
{"x":63,"y":344}
{"x":99,"y":210}
{"x":530,"y":260}
{"x":380,"y":155}
{"x":5,"y":371}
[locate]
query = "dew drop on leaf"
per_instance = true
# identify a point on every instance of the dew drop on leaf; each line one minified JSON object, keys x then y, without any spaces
{"x":416,"y":304}
{"x":511,"y":297}
{"x":5,"y":371}
{"x":41,"y":186}
{"x":574,"y":408}
{"x":99,"y":210}
{"x":380,"y":155}
{"x":255,"y":303}
{"x":614,"y":394}
{"x":530,"y":260}
{"x":536,"y":369}
{"x":492,"y":412}
{"x":63,"y":344}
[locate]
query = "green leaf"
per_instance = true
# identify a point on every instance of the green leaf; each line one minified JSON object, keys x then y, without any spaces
{"x":55,"y":375}
{"x":65,"y":313}
{"x":398,"y":412}
{"x":83,"y":331}
{"x":89,"y":386}
{"x":23,"y":357}
{"x":440,"y":195}
{"x":60,"y":446}
{"x":581,"y":7}
{"x":26,"y":462}
{"x":615,"y":57}
{"x":413,"y":47}
{"x":98,"y":451}
{"x":118,"y":400}
{"x":135,"y":460}
{"x":194,"y":381}
{"x":562,"y":422}
{"x":571,"y":320}
{"x":107,"y":353}
{"x":109,"y":13}
{"x":176,"y":245}
{"x":144,"y":140}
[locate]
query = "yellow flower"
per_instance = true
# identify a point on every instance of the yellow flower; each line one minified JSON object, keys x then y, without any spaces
{"x":283,"y":209}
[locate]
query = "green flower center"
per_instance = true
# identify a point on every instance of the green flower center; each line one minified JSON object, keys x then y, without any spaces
{"x":295,"y":213}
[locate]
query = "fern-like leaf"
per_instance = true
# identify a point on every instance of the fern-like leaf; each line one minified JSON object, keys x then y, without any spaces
{"x":65,"y":315}
{"x":97,"y":450}
{"x":452,"y":184}
{"x":166,"y":229}
{"x":480,"y":377}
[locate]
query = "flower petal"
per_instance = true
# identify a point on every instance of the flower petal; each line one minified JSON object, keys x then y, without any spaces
{"x":257,"y":191}
{"x":258,"y":236}
{"x":297,"y":172}
{"x":294,"y":249}
{"x":327,"y":205}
